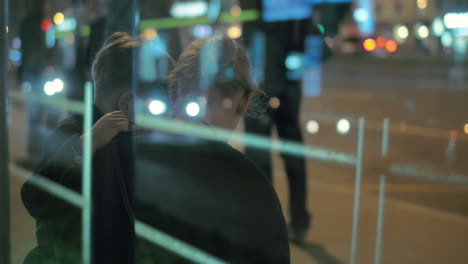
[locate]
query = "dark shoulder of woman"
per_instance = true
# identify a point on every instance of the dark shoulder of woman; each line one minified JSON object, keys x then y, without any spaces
{"x":242,"y":158}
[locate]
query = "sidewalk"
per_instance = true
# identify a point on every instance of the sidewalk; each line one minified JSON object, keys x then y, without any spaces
{"x":412,"y":234}
{"x":22,"y":224}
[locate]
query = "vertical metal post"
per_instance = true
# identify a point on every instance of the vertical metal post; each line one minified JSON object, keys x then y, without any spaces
{"x":87,"y":176}
{"x":381,"y":209}
{"x":132,"y":155}
{"x":357,"y":190}
{"x":5,"y":243}
{"x":385,"y":136}
{"x":380,"y":222}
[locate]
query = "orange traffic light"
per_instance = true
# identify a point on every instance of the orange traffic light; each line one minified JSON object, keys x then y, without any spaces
{"x":381,"y":42}
{"x":369,"y":44}
{"x":391,"y":46}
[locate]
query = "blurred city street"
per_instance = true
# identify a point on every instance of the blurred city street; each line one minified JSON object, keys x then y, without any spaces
{"x":378,"y":87}
{"x":426,"y":217}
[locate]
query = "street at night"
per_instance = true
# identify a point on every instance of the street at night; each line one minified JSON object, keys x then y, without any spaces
{"x":233,"y":131}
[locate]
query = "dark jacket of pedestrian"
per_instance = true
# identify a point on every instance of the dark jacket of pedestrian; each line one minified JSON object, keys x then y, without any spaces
{"x":211,"y":196}
{"x":58,"y":223}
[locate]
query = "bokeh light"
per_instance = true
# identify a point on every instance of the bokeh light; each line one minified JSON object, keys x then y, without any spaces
{"x":369,"y":44}
{"x":401,"y":32}
{"x":201,"y":31}
{"x":321,"y":28}
{"x":294,"y":61}
{"x":361,"y":15}
{"x":15,"y":55}
{"x":274,"y":102}
{"x":53,"y":87}
{"x":422,"y":32}
{"x":447,"y":39}
{"x":234,"y":32}
{"x":46,"y":24}
{"x":157,"y":107}
{"x":381,"y":42}
{"x":58,"y":85}
{"x":49,"y":88}
{"x":150,"y":34}
{"x":189,"y":9}
{"x":465,"y":129}
{"x":438,"y":27}
{"x":343,"y":126}
{"x":192,"y":109}
{"x":422,"y":4}
{"x":59,"y":18}
{"x":456,"y":20}
{"x":391,"y":46}
{"x":312,"y":127}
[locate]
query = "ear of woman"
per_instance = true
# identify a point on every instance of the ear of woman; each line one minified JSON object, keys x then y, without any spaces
{"x":243,"y":104}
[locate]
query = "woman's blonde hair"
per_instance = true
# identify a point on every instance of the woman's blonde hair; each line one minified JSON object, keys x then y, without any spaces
{"x":214,"y":64}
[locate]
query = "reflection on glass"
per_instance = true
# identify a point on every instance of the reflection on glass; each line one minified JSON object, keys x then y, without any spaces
{"x":193,"y":195}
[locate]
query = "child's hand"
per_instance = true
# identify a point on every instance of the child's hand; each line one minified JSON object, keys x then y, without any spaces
{"x":107,"y":127}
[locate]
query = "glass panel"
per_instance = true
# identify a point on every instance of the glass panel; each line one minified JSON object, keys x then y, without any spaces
{"x":265,"y":131}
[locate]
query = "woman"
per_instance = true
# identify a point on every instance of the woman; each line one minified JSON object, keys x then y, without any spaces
{"x":199,"y":189}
